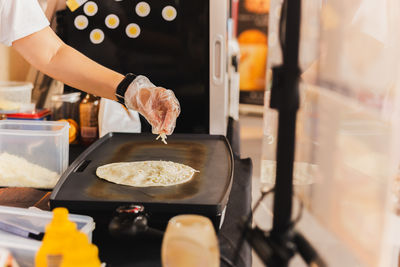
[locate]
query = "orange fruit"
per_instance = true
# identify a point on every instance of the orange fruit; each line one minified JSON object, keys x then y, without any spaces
{"x":73,"y":129}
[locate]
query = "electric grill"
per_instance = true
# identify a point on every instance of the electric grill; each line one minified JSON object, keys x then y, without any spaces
{"x":82,"y":192}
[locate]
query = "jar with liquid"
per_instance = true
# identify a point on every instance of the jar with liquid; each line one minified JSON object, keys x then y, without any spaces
{"x":65,"y":107}
{"x":190,"y":240}
{"x":88,"y":116}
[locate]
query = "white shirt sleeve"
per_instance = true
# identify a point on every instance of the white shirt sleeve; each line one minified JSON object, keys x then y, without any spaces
{"x":20,"y":18}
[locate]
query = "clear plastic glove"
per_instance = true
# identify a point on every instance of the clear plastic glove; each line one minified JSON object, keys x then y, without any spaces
{"x":158,"y":105}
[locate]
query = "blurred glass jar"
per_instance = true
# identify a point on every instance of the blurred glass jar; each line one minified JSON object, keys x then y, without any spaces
{"x":65,"y":106}
{"x":190,"y":240}
{"x":88,"y":115}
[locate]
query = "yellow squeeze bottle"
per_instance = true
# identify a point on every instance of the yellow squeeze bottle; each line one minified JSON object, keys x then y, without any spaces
{"x":80,"y":253}
{"x":58,"y":231}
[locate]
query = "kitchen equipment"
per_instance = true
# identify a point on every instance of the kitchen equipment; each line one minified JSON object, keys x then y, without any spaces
{"x":42,"y":143}
{"x":15,"y":96}
{"x":81,"y":191}
{"x":24,"y":249}
{"x":180,"y":45}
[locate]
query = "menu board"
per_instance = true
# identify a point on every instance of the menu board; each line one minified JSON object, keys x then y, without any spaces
{"x":253,"y":42}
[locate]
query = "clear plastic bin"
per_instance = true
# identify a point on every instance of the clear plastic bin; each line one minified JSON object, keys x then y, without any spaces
{"x":14,"y":96}
{"x":24,"y":249}
{"x":40,"y":148}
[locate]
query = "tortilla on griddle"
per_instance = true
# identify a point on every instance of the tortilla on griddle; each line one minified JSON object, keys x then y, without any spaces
{"x":146,"y":173}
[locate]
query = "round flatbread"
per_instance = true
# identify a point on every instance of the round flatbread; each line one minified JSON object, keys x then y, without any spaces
{"x":146,"y":173}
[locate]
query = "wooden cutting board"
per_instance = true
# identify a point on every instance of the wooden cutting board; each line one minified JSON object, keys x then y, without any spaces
{"x":23,"y":197}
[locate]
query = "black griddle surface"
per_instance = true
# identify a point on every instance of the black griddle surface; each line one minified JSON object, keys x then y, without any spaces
{"x":207,"y":191}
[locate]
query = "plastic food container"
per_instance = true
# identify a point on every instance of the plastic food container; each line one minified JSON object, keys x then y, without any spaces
{"x":38,"y":145}
{"x":24,"y":249}
{"x":15,"y":96}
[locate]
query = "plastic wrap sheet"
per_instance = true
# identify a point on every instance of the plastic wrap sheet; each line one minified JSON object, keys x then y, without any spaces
{"x":347,"y":135}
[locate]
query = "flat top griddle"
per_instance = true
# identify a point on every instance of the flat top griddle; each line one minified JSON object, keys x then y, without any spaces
{"x":207,"y":191}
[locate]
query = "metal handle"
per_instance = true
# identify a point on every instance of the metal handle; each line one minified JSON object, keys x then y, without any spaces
{"x":218,"y":59}
{"x":82,"y":165}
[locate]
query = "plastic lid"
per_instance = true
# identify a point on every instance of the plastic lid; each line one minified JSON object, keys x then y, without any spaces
{"x":33,"y":127}
{"x":15,"y":86}
{"x":37,"y":114}
{"x":72,"y":97}
{"x":35,"y":220}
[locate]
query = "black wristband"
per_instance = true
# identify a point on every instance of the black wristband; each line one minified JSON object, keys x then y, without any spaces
{"x":123,"y":86}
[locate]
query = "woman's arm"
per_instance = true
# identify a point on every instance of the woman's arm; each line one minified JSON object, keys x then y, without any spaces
{"x":48,"y":53}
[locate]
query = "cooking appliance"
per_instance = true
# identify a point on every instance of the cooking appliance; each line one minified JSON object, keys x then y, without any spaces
{"x":82,"y":192}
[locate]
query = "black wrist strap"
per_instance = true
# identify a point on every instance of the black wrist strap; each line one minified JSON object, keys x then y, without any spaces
{"x":123,"y":86}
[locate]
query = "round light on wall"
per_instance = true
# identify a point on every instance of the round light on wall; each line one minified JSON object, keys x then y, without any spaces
{"x":112,"y":21}
{"x":169,"y":13}
{"x":132,"y":30}
{"x":97,"y":36}
{"x":90,"y":8}
{"x":142,"y":9}
{"x":81,"y":22}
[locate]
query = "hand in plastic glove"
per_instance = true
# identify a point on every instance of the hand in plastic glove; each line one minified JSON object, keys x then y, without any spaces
{"x":158,"y":105}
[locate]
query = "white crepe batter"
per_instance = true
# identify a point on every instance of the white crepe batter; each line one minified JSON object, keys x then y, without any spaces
{"x":146,"y":173}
